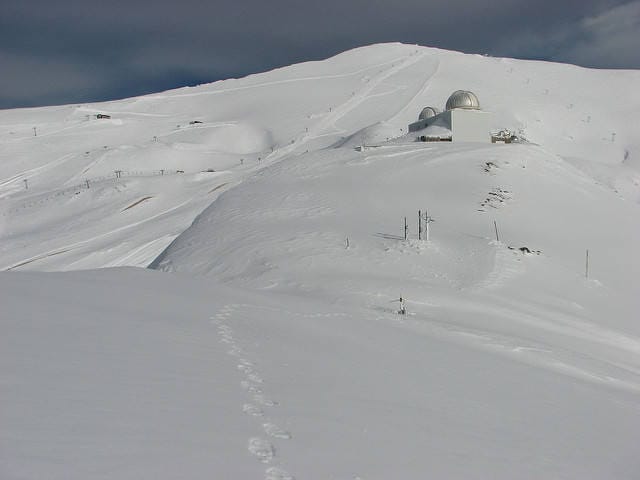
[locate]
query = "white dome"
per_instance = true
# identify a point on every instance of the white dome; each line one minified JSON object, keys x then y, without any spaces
{"x":463,"y":99}
{"x":428,"y":112}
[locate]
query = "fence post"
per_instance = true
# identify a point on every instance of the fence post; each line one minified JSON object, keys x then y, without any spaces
{"x":427,"y":221}
{"x":586,"y":267}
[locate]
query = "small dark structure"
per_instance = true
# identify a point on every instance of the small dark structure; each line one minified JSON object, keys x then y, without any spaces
{"x":505,"y":136}
{"x":102,"y":116}
{"x":525,"y":250}
{"x":426,"y":138}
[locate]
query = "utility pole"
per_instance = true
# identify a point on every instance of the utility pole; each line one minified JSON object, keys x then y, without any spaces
{"x":419,"y":225}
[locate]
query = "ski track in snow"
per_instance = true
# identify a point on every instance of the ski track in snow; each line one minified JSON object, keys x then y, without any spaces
{"x":275,"y":82}
{"x":420,"y":93}
{"x":560,"y":359}
{"x":253,"y":384}
{"x":330,"y":120}
{"x":46,"y":166}
{"x":91,"y":239}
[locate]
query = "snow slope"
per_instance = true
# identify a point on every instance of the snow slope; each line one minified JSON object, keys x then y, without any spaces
{"x":369,"y":94}
{"x":131,"y":373}
{"x":268,"y":345}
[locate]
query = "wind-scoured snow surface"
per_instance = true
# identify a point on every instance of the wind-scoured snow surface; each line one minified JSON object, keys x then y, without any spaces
{"x":264,"y":341}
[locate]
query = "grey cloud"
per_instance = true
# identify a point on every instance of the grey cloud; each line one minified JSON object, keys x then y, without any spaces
{"x":88,"y":50}
{"x":31,"y":81}
{"x":610,"y":39}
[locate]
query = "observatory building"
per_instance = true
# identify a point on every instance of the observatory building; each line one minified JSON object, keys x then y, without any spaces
{"x":462,"y":121}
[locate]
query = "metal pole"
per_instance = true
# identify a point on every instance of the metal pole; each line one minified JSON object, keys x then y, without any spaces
{"x":495,"y":225}
{"x":426,"y":221}
{"x":586,"y":269}
{"x":405,"y":228}
{"x":419,"y":225}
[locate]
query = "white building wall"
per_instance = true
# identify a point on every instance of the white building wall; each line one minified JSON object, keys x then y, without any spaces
{"x":470,"y":125}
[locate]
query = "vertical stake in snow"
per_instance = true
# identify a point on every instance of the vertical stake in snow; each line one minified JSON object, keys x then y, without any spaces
{"x":35,"y":133}
{"x":586,"y":266}
{"x":495,"y":225}
{"x":87,"y":182}
{"x":427,"y":221}
{"x":347,"y":242}
{"x":405,"y":228}
{"x":419,"y":225}
{"x":26,"y":184}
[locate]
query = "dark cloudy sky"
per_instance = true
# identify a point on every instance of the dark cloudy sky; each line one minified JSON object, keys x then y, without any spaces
{"x":72,"y":51}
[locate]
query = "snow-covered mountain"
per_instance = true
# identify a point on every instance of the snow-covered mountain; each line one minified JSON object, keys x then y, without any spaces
{"x":267,"y":346}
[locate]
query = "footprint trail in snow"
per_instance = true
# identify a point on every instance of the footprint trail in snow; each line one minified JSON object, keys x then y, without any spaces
{"x":253,"y":384}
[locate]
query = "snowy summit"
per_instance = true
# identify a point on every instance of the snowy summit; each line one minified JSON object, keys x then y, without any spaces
{"x":399,"y":262}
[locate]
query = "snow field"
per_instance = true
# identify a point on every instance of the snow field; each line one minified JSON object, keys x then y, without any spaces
{"x":156,"y":378}
{"x":269,"y":346}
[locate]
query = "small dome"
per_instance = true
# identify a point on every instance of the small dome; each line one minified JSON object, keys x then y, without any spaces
{"x":428,"y":112}
{"x":463,"y":99}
